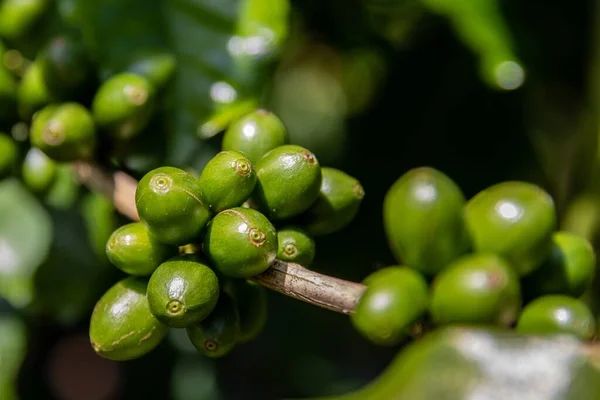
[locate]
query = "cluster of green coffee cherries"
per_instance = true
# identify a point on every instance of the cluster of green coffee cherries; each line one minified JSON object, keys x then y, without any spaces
{"x":57,"y":108}
{"x":200,"y":239}
{"x":497,"y":260}
{"x":200,"y":236}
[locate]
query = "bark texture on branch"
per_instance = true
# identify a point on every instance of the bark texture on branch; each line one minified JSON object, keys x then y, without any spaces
{"x":324,"y":291}
{"x":287,"y":278}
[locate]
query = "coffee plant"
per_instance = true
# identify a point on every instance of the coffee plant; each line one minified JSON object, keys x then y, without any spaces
{"x":257,"y":199}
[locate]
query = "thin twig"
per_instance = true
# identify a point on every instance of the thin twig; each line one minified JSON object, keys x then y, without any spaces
{"x":287,"y":278}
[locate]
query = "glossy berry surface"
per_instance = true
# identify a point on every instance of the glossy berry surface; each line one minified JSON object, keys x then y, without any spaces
{"x":423,"y":220}
{"x":338,"y":202}
{"x":477,"y":289}
{"x":394,"y":299}
{"x":227,"y":181}
{"x":295,"y":245}
{"x":8,"y":155}
{"x":65,"y":66}
{"x":182,"y":291}
{"x":514,"y":220}
{"x":218,"y":334}
{"x":255,"y":134}
{"x":168,"y":201}
{"x":65,"y":132}
{"x":123,"y":105}
{"x":38,"y":170}
{"x":240,"y":242}
{"x":131,"y":249}
{"x":569,"y":269}
{"x":289,"y":180}
{"x":157,"y":67}
{"x":122,"y":326}
{"x":557,"y":314}
{"x":33,"y":92}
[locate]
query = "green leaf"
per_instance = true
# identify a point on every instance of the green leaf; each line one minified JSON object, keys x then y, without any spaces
{"x":25,"y":238}
{"x":100,"y":221}
{"x":18,"y":17}
{"x":459,"y":364}
{"x":13,"y":348}
{"x":115,"y":31}
{"x":223,"y":50}
{"x":65,"y":190}
{"x":69,"y":281}
{"x":481,"y":26}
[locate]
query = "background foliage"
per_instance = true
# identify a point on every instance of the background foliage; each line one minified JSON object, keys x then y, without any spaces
{"x":484,"y":90}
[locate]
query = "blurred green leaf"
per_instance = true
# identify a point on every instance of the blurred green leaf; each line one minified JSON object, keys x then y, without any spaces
{"x":25,"y":238}
{"x":13,"y":348}
{"x":69,"y":281}
{"x":582,"y":217}
{"x":315,"y":116}
{"x":262,"y":29}
{"x":115,"y":31}
{"x":199,"y":33}
{"x":362,"y":76}
{"x":18,"y":17}
{"x":100,"y":220}
{"x":459,"y":364}
{"x":222,"y":49}
{"x":64,"y":192}
{"x":481,"y":26}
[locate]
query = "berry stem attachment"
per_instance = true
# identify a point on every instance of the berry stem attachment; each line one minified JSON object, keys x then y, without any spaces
{"x":289,"y":279}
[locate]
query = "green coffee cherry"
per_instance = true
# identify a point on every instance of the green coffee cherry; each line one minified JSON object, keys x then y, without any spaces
{"x":182,"y":291}
{"x":65,"y":67}
{"x":8,"y":96}
{"x":338,"y":202}
{"x":476,"y":289}
{"x":158,"y":68}
{"x":240,"y":242}
{"x":289,"y":180}
{"x":218,"y":334}
{"x":65,"y":132}
{"x":395,"y":298}
{"x":569,"y":270}
{"x":123,"y":105}
{"x":100,"y":220}
{"x":295,"y":245}
{"x":64,"y":190}
{"x":422,"y":216}
{"x":131,"y":249}
{"x":557,"y":314}
{"x":122,"y":326}
{"x":18,"y":16}
{"x":32,"y":93}
{"x":168,"y":202}
{"x":8,"y":155}
{"x":227,"y":181}
{"x":255,"y":134}
{"x":514,"y":220}
{"x":251,"y":302}
{"x":38,"y":171}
